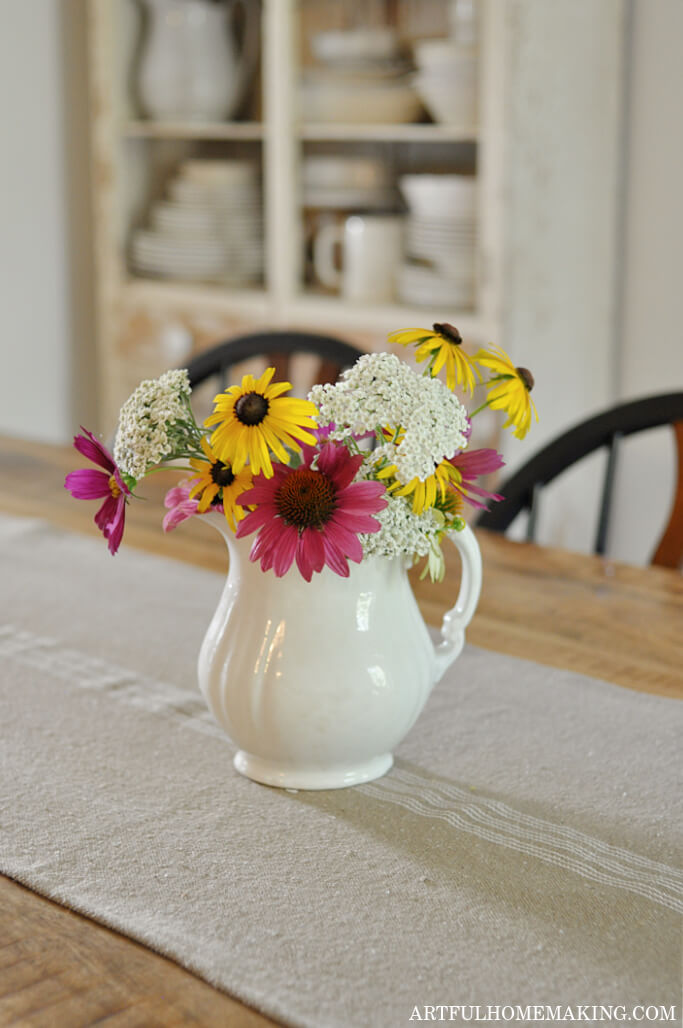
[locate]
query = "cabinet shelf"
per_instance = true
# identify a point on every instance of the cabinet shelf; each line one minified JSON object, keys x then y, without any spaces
{"x":192,"y":130}
{"x":316,"y":310}
{"x":400,"y":133}
{"x":196,"y":297}
{"x":303,"y":310}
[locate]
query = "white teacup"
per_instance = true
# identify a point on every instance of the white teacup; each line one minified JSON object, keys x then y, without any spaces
{"x":371,"y":252}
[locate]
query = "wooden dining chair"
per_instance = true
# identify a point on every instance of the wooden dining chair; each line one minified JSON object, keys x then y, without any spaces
{"x":522,"y":491}
{"x":279,"y":349}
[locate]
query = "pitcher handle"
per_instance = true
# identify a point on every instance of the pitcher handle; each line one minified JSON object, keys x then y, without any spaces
{"x":457,"y":619}
{"x":327,"y":238}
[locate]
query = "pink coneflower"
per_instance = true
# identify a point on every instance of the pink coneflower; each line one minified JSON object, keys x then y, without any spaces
{"x":87,"y":484}
{"x":312,"y":515}
{"x":179,"y":505}
{"x":469,"y":466}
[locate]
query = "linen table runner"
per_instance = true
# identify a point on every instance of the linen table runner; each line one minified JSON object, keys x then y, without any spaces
{"x":523,"y":850}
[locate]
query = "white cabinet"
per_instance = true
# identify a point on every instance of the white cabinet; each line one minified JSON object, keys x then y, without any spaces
{"x":142,"y":321}
{"x":546,"y":154}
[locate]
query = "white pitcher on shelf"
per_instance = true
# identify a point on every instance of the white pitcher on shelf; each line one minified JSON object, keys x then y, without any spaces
{"x":190,"y":67}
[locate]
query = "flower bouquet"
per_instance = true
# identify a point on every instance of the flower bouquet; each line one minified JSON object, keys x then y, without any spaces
{"x":317,"y":669}
{"x":378,"y":464}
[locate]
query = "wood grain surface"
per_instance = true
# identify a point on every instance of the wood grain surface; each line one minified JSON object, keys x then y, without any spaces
{"x":583,"y":613}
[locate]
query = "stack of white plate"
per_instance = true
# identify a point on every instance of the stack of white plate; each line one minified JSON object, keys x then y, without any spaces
{"x":348,"y":183}
{"x":446,"y":81}
{"x":440,"y":266}
{"x":209,"y":229}
{"x":361,"y":78}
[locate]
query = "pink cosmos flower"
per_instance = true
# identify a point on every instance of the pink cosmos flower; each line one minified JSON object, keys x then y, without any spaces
{"x":179,"y":505}
{"x":312,"y":515}
{"x":470,"y":465}
{"x":88,"y":484}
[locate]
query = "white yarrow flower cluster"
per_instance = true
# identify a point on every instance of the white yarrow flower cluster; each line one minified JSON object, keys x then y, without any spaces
{"x":434,"y":429}
{"x":146,"y":421}
{"x":377,"y":390}
{"x":403,"y":533}
{"x":381,"y":390}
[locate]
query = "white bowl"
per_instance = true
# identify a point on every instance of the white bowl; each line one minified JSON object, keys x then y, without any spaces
{"x":219,"y":173}
{"x":186,"y":191}
{"x":380,"y":44}
{"x":345,"y":173}
{"x":447,"y":102}
{"x":351,"y":199}
{"x":440,"y":197}
{"x":425,"y":287}
{"x":167,"y":217}
{"x":445,"y":55}
{"x":386,"y":103}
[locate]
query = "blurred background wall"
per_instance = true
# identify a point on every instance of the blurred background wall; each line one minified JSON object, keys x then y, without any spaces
{"x":650,"y":307}
{"x":46,"y":284}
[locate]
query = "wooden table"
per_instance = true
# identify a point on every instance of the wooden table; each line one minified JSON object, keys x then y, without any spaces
{"x":583,"y":613}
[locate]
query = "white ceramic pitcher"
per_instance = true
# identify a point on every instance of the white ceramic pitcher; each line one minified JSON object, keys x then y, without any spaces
{"x":317,"y":682}
{"x":190,"y":67}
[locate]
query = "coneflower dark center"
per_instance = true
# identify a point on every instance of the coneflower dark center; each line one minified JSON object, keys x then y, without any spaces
{"x":526,"y":377}
{"x":222,"y":474}
{"x":306,"y":499}
{"x":251,"y":408}
{"x":448,"y":332}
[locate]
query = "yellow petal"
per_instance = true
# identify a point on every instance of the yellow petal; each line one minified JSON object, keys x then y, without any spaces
{"x":209,"y":493}
{"x":406,"y":336}
{"x":264,"y":381}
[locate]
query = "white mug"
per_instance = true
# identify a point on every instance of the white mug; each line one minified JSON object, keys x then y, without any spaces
{"x":372,"y":251}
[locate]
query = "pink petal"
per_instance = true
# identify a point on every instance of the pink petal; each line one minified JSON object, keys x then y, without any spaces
{"x":310,"y":552}
{"x":285,"y":550}
{"x":121,"y":484}
{"x":181,"y":512}
{"x":471,"y":488}
{"x":363,"y":498}
{"x":106,"y":514}
{"x":472,"y":463}
{"x":261,"y":516}
{"x":87,"y":484}
{"x":336,"y":462}
{"x":115,"y":531}
{"x":178,"y":494}
{"x":356,"y":522}
{"x":334,"y":558}
{"x":259,"y":493}
{"x":303,"y":563}
{"x":308,"y":455}
{"x":348,"y":542}
{"x":93,"y":449}
{"x":254,"y":519}
{"x":265,"y":541}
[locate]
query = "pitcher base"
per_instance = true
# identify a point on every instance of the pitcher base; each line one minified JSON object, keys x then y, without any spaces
{"x":270,"y":773}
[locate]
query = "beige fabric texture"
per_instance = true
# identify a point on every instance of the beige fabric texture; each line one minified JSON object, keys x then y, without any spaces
{"x":523,"y":850}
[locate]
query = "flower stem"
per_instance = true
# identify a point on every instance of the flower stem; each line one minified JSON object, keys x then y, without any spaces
{"x":479,"y":409}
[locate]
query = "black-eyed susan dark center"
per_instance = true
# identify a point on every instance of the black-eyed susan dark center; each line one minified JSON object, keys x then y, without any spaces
{"x":251,"y":408}
{"x":448,"y":332}
{"x":526,"y":377}
{"x":222,"y":474}
{"x":306,"y":499}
